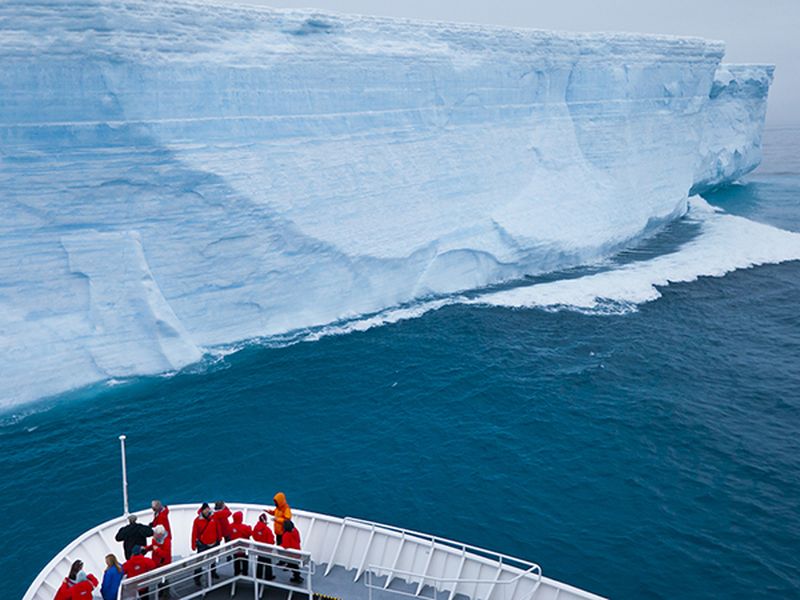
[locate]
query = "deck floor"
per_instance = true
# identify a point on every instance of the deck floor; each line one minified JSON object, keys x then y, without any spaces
{"x":338,"y":584}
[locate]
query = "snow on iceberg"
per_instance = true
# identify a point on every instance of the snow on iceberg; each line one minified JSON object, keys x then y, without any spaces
{"x":181,"y":176}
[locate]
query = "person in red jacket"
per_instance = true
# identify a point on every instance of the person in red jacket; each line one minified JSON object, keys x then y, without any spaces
{"x":262,"y":533}
{"x":160,"y":516}
{"x":205,"y":535}
{"x":138,"y":564}
{"x":161,"y":550}
{"x":84,"y":588}
{"x":64,"y":591}
{"x":291,"y":541}
{"x":239,"y":531}
{"x":222,"y":515}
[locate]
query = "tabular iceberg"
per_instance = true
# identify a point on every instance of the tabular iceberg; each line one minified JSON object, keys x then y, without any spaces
{"x":181,"y":176}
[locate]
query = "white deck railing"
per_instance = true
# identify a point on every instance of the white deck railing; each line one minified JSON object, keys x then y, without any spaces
{"x":440,"y":583}
{"x":177,"y":576}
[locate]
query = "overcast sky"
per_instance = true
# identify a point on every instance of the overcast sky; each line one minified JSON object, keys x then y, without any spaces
{"x":756,"y":32}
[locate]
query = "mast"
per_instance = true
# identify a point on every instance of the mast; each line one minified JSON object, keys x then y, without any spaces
{"x":124,"y":475}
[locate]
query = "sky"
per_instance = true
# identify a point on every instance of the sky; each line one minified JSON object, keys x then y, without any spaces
{"x":755,"y":32}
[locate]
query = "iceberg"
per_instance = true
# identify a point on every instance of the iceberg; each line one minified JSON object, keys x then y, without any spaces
{"x":732,"y":125}
{"x":176,"y":177}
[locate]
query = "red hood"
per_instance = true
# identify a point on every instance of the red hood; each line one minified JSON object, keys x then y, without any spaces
{"x":238,"y":517}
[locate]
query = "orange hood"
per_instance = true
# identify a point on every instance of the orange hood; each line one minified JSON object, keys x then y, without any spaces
{"x":280,"y":500}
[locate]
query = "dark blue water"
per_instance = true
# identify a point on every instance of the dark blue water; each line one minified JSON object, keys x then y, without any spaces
{"x":654,"y":454}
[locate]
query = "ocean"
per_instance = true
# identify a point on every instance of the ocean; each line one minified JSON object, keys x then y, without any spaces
{"x":651,"y":451}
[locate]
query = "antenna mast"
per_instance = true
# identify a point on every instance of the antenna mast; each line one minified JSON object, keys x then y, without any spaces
{"x":124,"y":475}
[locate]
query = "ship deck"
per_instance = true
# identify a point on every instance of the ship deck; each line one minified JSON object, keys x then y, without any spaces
{"x":342,"y":559}
{"x":337,"y":585}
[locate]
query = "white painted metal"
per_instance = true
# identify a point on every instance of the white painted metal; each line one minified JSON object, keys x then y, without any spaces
{"x":352,"y":544}
{"x":183,"y":571}
{"x":366,"y":554}
{"x":445,"y":580}
{"x":460,"y":571}
{"x":124,"y":476}
{"x":332,"y":559}
{"x":496,"y":579}
{"x":389,"y":576}
{"x":427,"y":566}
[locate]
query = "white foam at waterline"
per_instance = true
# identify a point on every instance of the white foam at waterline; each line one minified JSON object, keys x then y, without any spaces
{"x":726,"y":243}
{"x":387,"y":317}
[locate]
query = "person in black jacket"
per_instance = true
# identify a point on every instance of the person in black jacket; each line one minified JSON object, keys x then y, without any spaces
{"x":133,"y":534}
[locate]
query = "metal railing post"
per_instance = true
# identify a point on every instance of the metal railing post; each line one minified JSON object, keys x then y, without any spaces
{"x":308,"y":579}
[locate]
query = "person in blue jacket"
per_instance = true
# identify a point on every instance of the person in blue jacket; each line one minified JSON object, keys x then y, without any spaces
{"x":111,"y":579}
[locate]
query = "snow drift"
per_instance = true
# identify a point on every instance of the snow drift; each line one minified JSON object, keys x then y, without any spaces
{"x":181,"y":176}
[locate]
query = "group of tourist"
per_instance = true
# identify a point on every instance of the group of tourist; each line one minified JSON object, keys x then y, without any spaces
{"x":209,"y":529}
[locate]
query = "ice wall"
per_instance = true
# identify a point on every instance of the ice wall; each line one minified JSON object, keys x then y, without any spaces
{"x":732,"y":124}
{"x":179,"y":176}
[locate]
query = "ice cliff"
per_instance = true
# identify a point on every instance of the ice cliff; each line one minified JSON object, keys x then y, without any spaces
{"x":176,"y":176}
{"x":730,"y":145}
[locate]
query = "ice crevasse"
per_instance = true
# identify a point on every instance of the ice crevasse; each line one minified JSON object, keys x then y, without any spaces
{"x":179,"y":176}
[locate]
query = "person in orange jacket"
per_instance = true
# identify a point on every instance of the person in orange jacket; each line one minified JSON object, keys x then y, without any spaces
{"x":281,"y":512}
{"x":239,"y":531}
{"x":291,"y":541}
{"x":64,"y":591}
{"x":262,"y":533}
{"x":205,"y":535}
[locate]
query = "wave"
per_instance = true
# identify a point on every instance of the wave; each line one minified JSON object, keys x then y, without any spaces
{"x":725,"y":243}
